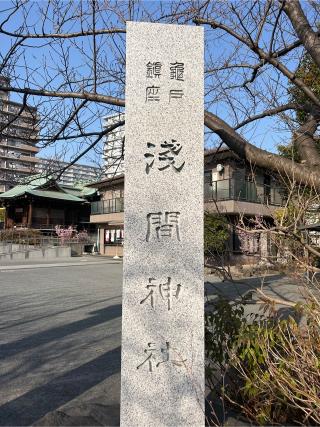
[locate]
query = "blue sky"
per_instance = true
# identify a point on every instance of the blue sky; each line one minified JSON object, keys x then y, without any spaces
{"x":42,"y":62}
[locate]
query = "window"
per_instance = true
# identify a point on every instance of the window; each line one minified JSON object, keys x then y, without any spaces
{"x":113,"y":236}
{"x":208,"y":177}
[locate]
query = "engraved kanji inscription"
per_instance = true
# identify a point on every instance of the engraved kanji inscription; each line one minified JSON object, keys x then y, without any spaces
{"x":167,"y":291}
{"x":150,"y":156}
{"x":166,"y":156}
{"x":153,"y":70}
{"x":163,"y":226}
{"x":157,"y":356}
{"x":151,"y":358}
{"x":152,"y":93}
{"x":176,"y":71}
{"x":175,"y":94}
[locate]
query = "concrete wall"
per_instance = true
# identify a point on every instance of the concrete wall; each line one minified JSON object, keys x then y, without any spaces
{"x":114,"y":193}
{"x":238,"y":207}
{"x":105,"y":218}
{"x":113,"y":250}
{"x":36,"y":254}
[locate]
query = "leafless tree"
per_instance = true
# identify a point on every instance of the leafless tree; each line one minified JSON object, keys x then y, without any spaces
{"x":68,"y":59}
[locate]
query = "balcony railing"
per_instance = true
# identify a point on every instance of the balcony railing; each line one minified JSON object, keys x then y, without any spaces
{"x":107,"y":206}
{"x":232,"y":189}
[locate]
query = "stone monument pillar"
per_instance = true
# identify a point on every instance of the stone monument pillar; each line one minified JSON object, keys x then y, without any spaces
{"x":162,"y":374}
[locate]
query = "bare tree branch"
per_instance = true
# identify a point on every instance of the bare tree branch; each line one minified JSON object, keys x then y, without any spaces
{"x":66,"y":95}
{"x":63,"y":36}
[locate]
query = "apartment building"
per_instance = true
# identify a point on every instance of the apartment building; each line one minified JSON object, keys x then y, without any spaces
{"x":74,"y":174}
{"x":18,"y":134}
{"x":113,"y":147}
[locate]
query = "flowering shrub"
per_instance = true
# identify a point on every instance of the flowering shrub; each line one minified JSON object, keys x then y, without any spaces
{"x":64,"y":234}
{"x":70,"y":234}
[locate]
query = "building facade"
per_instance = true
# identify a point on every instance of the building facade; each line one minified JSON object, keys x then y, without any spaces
{"x":231,"y":188}
{"x":108,"y":215}
{"x":18,"y":135}
{"x":113,"y":147}
{"x":75,"y":174}
{"x":240,"y":191}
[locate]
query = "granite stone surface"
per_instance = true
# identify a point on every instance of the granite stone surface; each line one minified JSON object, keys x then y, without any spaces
{"x":162,"y":373}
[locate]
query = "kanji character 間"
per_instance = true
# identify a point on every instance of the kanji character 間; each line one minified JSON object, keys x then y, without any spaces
{"x":163,"y":226}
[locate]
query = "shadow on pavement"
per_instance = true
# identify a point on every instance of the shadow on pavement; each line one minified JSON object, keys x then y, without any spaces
{"x":46,"y":336}
{"x":31,"y":406}
{"x":34,"y":319}
{"x":236,"y":289}
{"x":86,"y":415}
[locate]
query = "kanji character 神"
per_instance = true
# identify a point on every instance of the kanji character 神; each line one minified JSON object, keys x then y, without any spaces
{"x":166,"y":290}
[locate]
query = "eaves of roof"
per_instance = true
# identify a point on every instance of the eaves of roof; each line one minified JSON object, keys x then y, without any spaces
{"x":40,"y":193}
{"x":55,"y":195}
{"x":108,"y":182}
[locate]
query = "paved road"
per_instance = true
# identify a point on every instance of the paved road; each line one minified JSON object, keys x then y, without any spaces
{"x":60,"y":341}
{"x":60,"y":331}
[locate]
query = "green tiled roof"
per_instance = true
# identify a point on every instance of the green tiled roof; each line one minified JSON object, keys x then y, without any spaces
{"x":16,"y":191}
{"x":37,"y":180}
{"x":30,"y":183}
{"x":79,"y":191}
{"x":39,"y":193}
{"x":36,"y":186}
{"x":55,"y":195}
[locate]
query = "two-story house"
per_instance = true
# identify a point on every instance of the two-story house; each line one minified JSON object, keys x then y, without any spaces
{"x":231,"y":187}
{"x":240,"y":191}
{"x":108,"y":215}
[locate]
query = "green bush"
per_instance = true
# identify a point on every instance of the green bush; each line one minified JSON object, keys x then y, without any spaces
{"x":270,"y":367}
{"x":216,"y":233}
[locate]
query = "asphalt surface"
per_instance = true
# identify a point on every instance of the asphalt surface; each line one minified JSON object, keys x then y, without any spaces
{"x":60,"y":336}
{"x":60,"y":333}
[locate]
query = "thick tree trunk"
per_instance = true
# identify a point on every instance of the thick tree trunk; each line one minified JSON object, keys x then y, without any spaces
{"x":305,"y":144}
{"x":309,"y":38}
{"x":286,"y":168}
